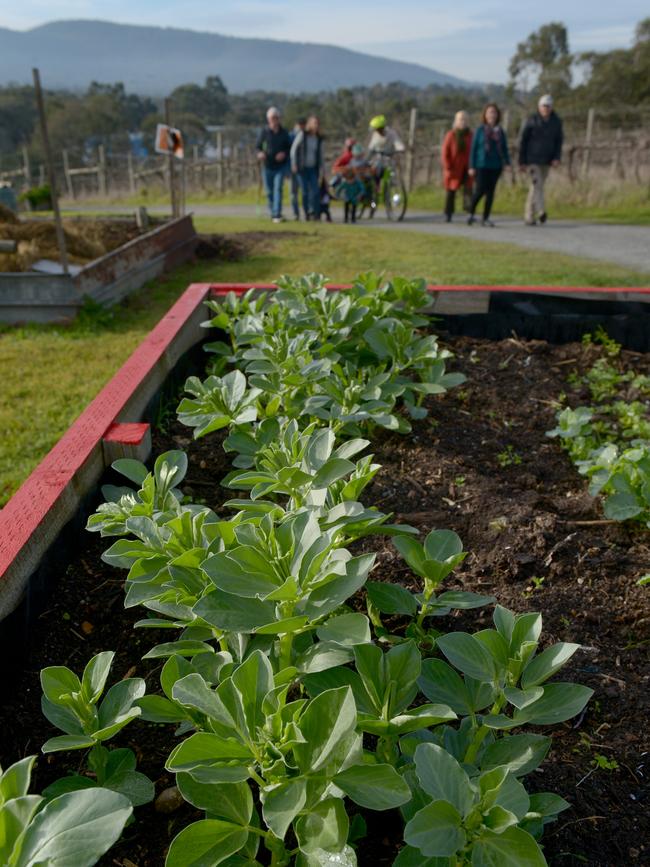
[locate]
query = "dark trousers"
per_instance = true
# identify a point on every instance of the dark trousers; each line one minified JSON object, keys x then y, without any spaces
{"x":350,"y":212}
{"x":450,"y":198}
{"x":486,"y":182}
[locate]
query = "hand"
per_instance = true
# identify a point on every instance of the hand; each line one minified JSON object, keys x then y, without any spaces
{"x":261,"y":155}
{"x":555,"y":163}
{"x":471,"y":172}
{"x":280,"y":156}
{"x":294,"y":170}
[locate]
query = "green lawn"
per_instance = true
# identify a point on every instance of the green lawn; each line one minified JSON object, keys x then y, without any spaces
{"x":50,"y":373}
{"x":598,"y":199}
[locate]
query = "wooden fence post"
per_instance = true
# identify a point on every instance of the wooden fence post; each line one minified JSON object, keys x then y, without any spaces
{"x":410,"y":162}
{"x":60,"y":236}
{"x":170,"y":164}
{"x":618,"y":167}
{"x":27,"y":169}
{"x":68,"y":177}
{"x":129,"y":167}
{"x":586,"y":156}
{"x":220,"y":172}
{"x":101,"y":170}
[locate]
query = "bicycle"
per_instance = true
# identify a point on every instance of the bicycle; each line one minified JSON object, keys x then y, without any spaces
{"x":391,"y":191}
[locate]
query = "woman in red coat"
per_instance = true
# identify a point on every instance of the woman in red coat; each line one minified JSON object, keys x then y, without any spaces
{"x":455,"y":161}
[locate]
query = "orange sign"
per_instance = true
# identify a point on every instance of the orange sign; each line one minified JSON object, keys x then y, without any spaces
{"x":169,"y":141}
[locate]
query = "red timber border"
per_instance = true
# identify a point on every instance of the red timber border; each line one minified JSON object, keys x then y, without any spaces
{"x":50,"y":497}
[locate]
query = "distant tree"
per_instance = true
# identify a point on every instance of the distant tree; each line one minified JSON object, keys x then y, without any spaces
{"x":542,"y":63}
{"x":620,"y":77}
{"x":210,"y":103}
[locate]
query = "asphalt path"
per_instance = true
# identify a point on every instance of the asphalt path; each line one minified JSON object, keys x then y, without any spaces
{"x":620,"y":244}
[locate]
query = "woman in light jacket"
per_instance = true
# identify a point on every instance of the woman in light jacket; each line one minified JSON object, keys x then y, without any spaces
{"x":488,"y":158}
{"x":307,"y":163}
{"x":455,"y":161}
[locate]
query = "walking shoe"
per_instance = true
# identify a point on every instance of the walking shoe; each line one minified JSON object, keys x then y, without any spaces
{"x":471,"y":220}
{"x":488,"y":223}
{"x":278,"y":219}
{"x":543,"y":217}
{"x":447,"y":218}
{"x":530,"y":222}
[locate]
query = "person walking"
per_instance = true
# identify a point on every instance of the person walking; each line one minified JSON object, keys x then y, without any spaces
{"x":455,"y":162}
{"x":488,"y":157}
{"x":294,"y":181}
{"x":273,"y":146}
{"x":307,"y":162}
{"x":539,"y":150}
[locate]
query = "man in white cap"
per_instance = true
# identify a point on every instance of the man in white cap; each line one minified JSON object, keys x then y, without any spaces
{"x":539,"y":149}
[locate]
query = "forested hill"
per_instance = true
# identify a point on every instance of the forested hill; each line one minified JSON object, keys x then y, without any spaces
{"x":154,"y":60}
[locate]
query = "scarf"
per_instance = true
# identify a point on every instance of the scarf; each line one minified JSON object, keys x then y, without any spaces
{"x":493,"y":134}
{"x":461,"y":139}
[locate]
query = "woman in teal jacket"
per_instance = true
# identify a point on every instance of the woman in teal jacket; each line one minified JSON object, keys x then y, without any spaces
{"x":488,"y":157}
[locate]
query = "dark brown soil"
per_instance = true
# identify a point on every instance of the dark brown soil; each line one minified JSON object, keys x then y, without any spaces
{"x":537,"y":542}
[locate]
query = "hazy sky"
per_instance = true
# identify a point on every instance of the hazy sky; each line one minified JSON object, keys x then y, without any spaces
{"x":468,"y":38}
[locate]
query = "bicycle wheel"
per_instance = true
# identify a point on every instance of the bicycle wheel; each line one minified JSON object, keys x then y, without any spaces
{"x":395,"y":198}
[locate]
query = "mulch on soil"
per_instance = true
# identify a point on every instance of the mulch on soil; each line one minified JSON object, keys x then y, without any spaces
{"x":536,"y":541}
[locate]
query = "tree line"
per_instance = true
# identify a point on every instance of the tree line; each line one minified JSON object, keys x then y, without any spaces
{"x":616,"y":81}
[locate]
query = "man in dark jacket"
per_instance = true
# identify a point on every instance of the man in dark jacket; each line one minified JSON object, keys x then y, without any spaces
{"x":539,"y":149}
{"x":273,"y":146}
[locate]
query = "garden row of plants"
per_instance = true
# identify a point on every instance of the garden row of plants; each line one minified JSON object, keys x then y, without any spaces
{"x":303,"y":694}
{"x":608,"y":439}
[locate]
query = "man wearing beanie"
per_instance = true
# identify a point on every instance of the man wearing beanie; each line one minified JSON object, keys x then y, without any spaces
{"x":539,"y":149}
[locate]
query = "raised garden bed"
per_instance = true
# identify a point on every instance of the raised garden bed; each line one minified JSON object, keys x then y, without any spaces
{"x":482,"y":466}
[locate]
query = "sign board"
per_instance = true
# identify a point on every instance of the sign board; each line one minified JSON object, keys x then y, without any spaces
{"x":169,"y":141}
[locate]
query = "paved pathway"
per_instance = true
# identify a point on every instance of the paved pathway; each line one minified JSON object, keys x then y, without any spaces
{"x":621,"y":244}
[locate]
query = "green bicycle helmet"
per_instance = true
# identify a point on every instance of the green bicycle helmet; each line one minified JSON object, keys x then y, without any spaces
{"x":378,"y":122}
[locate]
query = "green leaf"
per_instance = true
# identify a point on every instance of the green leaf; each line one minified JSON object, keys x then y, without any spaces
{"x":545,"y":665}
{"x":254,"y":680}
{"x":512,"y":848}
{"x":621,"y":506}
{"x":322,"y":656}
{"x":282,"y":803}
{"x":346,"y":630}
{"x":135,"y":786}
{"x":324,"y":827}
{"x":14,"y":782}
{"x":230,"y":801}
{"x":206,"y":748}
{"x":442,"y":777}
{"x":440,"y":683}
{"x":323,"y":858}
{"x":560,"y":702}
{"x":520,"y":753}
{"x":183,"y":647}
{"x":280,"y":627}
{"x":234,"y":613}
{"x":75,"y":828}
{"x":408,"y":856}
{"x":118,"y":707}
{"x":391,"y":598}
{"x":68,"y":742}
{"x":376,"y":787}
{"x":157,"y":709}
{"x":441,"y":545}
{"x":135,"y":471}
{"x":436,"y":830}
{"x":95,"y":676}
{"x":57,"y":681}
{"x":462,"y":600}
{"x":205,"y":844}
{"x":327,"y":725}
{"x":469,"y":655}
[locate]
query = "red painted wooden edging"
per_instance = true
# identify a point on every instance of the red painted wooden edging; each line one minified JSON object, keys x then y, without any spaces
{"x":220,"y":289}
{"x":36,"y":513}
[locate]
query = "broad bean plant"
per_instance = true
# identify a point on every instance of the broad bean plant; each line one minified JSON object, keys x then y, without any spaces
{"x":292,"y":695}
{"x":609,"y":440}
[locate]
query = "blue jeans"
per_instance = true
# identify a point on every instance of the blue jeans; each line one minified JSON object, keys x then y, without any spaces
{"x":273,"y":181}
{"x":310,"y":191}
{"x":295,"y":190}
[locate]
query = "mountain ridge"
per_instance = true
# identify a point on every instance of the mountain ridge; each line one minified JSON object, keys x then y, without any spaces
{"x":68,"y":56}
